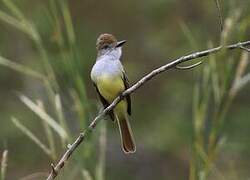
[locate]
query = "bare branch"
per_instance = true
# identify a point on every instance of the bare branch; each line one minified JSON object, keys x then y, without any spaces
{"x":53,"y":169}
{"x":244,"y":48}
{"x":56,"y":169}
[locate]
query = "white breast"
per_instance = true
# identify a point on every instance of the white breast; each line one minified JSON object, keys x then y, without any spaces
{"x":105,"y":66}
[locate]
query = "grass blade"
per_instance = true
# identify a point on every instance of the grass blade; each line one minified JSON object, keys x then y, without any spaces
{"x":243,"y":81}
{"x":20,"y":68}
{"x":4,"y":161}
{"x":60,"y":115}
{"x":32,"y":136}
{"x":68,"y":22}
{"x":240,"y":80}
{"x":86,"y":175}
{"x":48,"y":133}
{"x":217,"y":2}
{"x":44,"y":116}
{"x":100,"y":168}
{"x":188,"y":34}
{"x":13,"y":22}
{"x":13,"y":8}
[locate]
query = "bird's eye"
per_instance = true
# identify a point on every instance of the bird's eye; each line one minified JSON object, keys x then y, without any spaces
{"x":105,"y":47}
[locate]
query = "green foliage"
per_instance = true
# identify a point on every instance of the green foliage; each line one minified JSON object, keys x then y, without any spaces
{"x":217,"y":85}
{"x":60,"y":62}
{"x":52,"y":44}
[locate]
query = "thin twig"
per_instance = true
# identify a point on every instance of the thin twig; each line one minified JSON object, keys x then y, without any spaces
{"x":56,"y":169}
{"x":244,"y":48}
{"x":189,"y":67}
{"x":217,"y":2}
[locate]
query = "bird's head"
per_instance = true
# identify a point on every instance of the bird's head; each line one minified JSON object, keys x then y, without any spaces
{"x":108,"y":42}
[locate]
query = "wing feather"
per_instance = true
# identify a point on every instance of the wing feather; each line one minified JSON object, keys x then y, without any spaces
{"x":104,"y":102}
{"x":128,"y":98}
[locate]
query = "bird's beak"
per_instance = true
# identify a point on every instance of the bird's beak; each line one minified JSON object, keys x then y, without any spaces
{"x":120,"y":43}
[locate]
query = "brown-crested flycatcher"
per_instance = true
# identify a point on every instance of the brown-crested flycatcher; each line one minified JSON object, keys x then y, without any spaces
{"x":110,"y":81}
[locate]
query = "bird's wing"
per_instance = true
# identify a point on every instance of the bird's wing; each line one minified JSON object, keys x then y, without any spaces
{"x":104,"y":102}
{"x":128,"y":98}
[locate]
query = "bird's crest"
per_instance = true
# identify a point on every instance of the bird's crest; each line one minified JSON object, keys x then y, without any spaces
{"x":105,"y":41}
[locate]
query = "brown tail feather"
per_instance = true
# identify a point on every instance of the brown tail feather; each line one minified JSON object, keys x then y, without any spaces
{"x":128,"y":144}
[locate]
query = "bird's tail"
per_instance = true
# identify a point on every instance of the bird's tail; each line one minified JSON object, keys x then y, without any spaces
{"x":127,"y":139}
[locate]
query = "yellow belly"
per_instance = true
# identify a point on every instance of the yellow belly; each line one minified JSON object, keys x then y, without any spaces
{"x":110,"y":87}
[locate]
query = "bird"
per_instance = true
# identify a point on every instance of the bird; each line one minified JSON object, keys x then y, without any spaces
{"x":110,"y":80}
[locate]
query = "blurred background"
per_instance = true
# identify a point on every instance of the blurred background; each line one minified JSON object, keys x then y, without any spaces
{"x":192,"y":124}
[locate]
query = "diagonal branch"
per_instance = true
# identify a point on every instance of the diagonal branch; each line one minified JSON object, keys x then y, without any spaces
{"x":71,"y":148}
